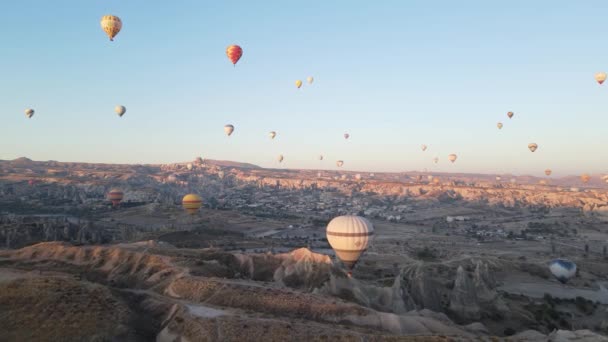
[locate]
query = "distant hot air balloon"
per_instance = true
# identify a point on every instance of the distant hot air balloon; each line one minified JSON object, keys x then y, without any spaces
{"x":436,"y":180}
{"x":498,"y":178}
{"x":346,"y":135}
{"x":510,"y":114}
{"x":532,"y":147}
{"x":192,"y":203}
{"x":280,"y":158}
{"x":29,"y":113}
{"x":115,"y":196}
{"x":320,"y":157}
{"x":436,"y":160}
{"x":111,"y":25}
{"x":562,"y":269}
{"x":548,"y":172}
{"x":349,"y":236}
{"x":358,"y":176}
{"x":600,"y":77}
{"x":120,"y":110}
{"x":234,"y":53}
{"x":228,"y":129}
{"x":452,"y":157}
{"x":189,"y":166}
{"x":585,"y":178}
{"x":272,"y":134}
{"x":298,"y":84}
{"x":423,"y":147}
{"x":309,"y":79}
{"x":499,"y":125}
{"x":339,"y":163}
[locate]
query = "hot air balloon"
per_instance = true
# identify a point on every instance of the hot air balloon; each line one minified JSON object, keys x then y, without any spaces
{"x":228,"y":129}
{"x":192,"y":203}
{"x":320,"y":157}
{"x":358,"y":176}
{"x":585,"y":178}
{"x":115,"y":196}
{"x":346,"y":135}
{"x":189,"y":166}
{"x":423,"y":147}
{"x":532,"y":147}
{"x":562,"y":269}
{"x":436,"y":180}
{"x":548,"y":172}
{"x":452,"y":157}
{"x":272,"y":134}
{"x":298,"y":84}
{"x":280,"y":158}
{"x":498,"y":178}
{"x":309,"y":79}
{"x":111,"y":25}
{"x":499,"y":125}
{"x":510,"y":114}
{"x":436,"y":160}
{"x":234,"y":53}
{"x":120,"y":110}
{"x":29,"y":113}
{"x":600,"y":77}
{"x":349,"y":236}
{"x":339,"y":163}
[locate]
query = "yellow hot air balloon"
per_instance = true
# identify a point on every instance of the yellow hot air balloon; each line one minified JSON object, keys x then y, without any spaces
{"x":228,"y":129}
{"x":115,"y":196}
{"x":272,"y":134}
{"x":548,"y":172}
{"x":585,"y":178}
{"x":309,"y":79}
{"x":423,"y":147}
{"x":298,"y":84}
{"x":600,"y":77}
{"x":120,"y":110}
{"x":111,"y":25}
{"x":339,"y":163}
{"x":532,"y":146}
{"x":192,"y":203}
{"x":29,"y":113}
{"x":499,"y":125}
{"x":349,"y":236}
{"x":452,"y":157}
{"x":280,"y":158}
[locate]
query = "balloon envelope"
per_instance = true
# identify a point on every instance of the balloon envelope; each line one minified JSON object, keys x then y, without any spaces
{"x":120,"y":110}
{"x":228,"y":129}
{"x":234,"y":53}
{"x":562,"y":269}
{"x":340,"y":163}
{"x":309,"y":79}
{"x":280,"y":158}
{"x":453,"y":157}
{"x":585,"y":178}
{"x":532,"y":147}
{"x":29,"y":112}
{"x":349,"y":236}
{"x":272,"y":134}
{"x":510,"y":114}
{"x":298,"y":84}
{"x":600,"y":77}
{"x":548,"y":172}
{"x":192,"y":203}
{"x":115,"y":196}
{"x":423,"y":147}
{"x":111,"y":25}
{"x":320,"y":157}
{"x":346,"y":135}
{"x":499,"y":125}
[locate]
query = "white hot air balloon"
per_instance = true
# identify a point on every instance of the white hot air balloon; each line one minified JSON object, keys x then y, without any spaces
{"x":339,"y":163}
{"x":562,"y":269}
{"x":120,"y":110}
{"x":228,"y":129}
{"x":309,"y":79}
{"x":423,"y":147}
{"x":280,"y":158}
{"x":452,"y":157}
{"x":349,"y":236}
{"x":272,"y":134}
{"x":29,"y":113}
{"x":499,"y":125}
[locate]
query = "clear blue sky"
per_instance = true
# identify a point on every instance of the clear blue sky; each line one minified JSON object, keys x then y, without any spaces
{"x":394,"y":74}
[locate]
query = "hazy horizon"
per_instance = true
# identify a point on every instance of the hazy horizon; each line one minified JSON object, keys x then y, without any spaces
{"x":394,"y":75}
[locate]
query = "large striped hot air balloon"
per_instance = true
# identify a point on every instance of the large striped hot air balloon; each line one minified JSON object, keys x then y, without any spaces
{"x":349,"y":236}
{"x":111,"y":25}
{"x":192,"y":203}
{"x":115,"y":196}
{"x":234,"y":53}
{"x":562,"y":269}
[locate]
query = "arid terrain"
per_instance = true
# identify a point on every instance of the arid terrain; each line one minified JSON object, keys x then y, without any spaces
{"x":456,"y":257}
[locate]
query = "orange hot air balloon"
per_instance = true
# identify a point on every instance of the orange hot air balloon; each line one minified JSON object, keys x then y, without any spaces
{"x":234,"y":53}
{"x":585,"y":178}
{"x":192,"y":203}
{"x":115,"y":196}
{"x":111,"y":25}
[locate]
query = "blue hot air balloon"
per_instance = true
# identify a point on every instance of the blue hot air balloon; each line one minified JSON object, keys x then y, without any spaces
{"x":562,"y":269}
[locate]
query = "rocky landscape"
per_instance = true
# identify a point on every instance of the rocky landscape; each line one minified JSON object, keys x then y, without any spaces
{"x":455,"y":257}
